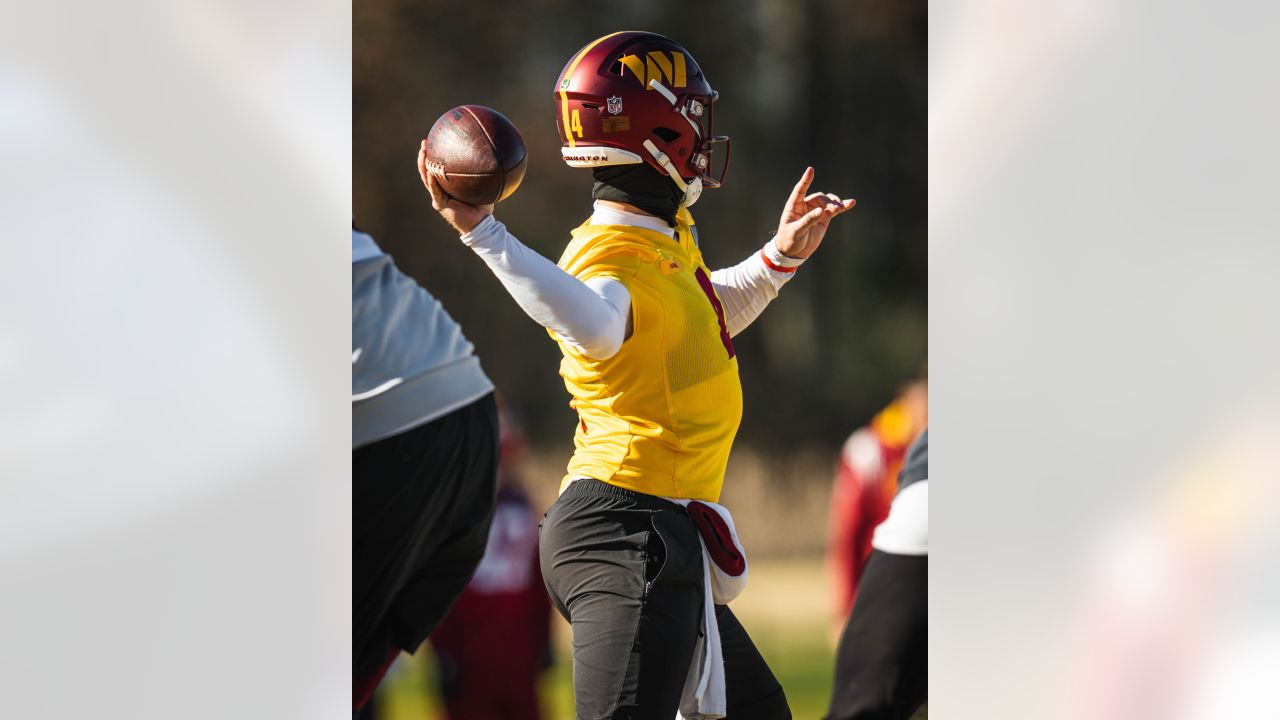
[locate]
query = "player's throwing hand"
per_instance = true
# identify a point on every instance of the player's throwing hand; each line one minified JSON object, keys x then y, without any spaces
{"x":461,"y":216}
{"x":805,"y":218}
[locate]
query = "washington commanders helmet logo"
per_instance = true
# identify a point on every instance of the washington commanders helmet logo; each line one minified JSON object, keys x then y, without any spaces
{"x":657,"y":65}
{"x":614,"y":105}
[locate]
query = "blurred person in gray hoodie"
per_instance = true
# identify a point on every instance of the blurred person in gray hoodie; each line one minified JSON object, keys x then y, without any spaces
{"x":424,"y":459}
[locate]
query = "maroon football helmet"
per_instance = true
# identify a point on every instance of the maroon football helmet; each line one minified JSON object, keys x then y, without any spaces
{"x":634,"y":97}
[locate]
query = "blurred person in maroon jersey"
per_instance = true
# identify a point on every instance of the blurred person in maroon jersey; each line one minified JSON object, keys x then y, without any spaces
{"x":496,"y":641}
{"x":866,"y":481}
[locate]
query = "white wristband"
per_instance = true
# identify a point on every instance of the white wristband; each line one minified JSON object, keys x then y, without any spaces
{"x":776,"y":261}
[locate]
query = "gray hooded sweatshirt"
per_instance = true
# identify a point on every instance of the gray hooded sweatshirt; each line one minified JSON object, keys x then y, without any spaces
{"x":410,"y":363}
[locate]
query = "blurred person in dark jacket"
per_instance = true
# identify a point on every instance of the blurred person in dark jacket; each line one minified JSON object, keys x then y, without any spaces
{"x":424,"y":459}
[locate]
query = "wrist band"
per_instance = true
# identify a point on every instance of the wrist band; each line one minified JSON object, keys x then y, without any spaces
{"x":778,"y":262}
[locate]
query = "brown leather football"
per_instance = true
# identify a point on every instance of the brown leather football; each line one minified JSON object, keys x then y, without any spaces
{"x":476,"y":154}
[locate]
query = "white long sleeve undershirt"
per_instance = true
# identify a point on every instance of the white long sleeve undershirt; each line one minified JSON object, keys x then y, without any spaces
{"x":592,"y":316}
{"x":747,"y":288}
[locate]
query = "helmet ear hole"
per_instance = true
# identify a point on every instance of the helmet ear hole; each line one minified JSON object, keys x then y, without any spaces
{"x":667,"y":134}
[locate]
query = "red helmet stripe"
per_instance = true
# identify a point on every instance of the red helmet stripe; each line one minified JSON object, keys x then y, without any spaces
{"x":564,"y":92}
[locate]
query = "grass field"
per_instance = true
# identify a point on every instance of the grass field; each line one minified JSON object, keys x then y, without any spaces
{"x":785,"y":608}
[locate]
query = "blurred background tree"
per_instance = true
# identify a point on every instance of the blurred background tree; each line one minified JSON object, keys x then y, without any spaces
{"x":839,"y":85}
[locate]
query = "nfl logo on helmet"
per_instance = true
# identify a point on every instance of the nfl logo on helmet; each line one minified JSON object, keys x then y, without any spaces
{"x":615,"y":105}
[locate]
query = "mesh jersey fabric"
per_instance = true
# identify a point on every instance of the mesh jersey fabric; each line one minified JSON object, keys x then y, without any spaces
{"x":658,"y":417}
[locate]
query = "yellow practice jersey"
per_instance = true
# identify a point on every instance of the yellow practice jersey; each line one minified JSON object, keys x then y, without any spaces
{"x":658,"y":417}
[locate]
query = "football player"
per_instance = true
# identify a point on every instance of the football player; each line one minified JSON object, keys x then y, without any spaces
{"x":646,"y":333}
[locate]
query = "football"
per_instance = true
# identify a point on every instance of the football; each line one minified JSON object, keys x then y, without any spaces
{"x":476,"y":154}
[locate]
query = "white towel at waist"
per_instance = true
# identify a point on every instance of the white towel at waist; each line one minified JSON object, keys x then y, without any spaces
{"x":724,"y":570}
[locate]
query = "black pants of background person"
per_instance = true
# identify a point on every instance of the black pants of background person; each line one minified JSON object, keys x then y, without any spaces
{"x":882,"y":663}
{"x":422,"y":501}
{"x":625,"y":569}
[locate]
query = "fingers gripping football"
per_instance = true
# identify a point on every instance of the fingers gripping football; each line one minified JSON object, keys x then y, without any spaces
{"x":461,"y":216}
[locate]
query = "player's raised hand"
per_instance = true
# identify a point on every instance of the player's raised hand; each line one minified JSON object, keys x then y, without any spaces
{"x":461,"y":216}
{"x":805,"y":218}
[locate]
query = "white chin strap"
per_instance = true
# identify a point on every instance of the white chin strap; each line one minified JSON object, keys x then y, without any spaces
{"x":692,"y":190}
{"x":671,"y":98}
{"x":692,"y":193}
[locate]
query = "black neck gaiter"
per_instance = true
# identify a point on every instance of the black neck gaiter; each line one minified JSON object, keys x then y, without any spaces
{"x":639,"y":185}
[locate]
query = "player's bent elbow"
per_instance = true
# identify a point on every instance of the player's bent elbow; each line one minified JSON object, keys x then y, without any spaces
{"x":603,"y":346}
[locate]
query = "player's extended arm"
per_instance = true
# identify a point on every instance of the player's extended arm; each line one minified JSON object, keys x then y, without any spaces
{"x":591,"y":315}
{"x":746,"y":288}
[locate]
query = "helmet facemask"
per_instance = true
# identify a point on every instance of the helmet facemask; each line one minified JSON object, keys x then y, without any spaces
{"x":698,"y":112}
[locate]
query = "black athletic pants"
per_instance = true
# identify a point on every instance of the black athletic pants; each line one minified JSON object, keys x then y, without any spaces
{"x":625,"y":569}
{"x":421,"y":505}
{"x":882,"y":670}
